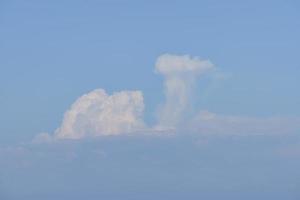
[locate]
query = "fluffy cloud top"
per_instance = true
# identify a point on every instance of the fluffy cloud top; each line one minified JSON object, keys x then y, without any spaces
{"x":98,"y":113}
{"x":180,"y":73}
{"x":169,"y":64}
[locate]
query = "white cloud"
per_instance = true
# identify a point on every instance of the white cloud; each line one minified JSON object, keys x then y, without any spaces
{"x":169,"y":64}
{"x":100,"y":114}
{"x":180,"y":73}
{"x":97,"y":113}
{"x":211,"y":123}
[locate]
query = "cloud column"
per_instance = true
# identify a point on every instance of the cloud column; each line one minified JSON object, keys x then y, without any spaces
{"x":180,"y":73}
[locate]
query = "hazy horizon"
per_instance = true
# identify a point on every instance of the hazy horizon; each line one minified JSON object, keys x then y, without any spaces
{"x":139,"y":100}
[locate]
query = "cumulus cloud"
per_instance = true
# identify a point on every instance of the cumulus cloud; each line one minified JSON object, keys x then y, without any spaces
{"x":180,"y":73}
{"x":100,"y":114}
{"x":97,"y":113}
{"x":211,"y":123}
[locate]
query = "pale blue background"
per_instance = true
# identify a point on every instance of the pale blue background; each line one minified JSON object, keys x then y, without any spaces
{"x":52,"y":52}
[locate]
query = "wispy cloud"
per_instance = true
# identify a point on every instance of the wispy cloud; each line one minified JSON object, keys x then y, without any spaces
{"x":206,"y":122}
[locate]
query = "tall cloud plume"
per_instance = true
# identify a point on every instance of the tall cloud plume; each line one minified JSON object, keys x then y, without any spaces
{"x":97,"y":113}
{"x":180,"y":73}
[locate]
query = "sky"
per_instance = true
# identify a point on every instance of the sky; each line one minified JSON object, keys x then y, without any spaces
{"x":149,"y":100}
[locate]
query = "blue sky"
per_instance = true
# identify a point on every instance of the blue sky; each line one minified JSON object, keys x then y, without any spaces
{"x":54,"y":52}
